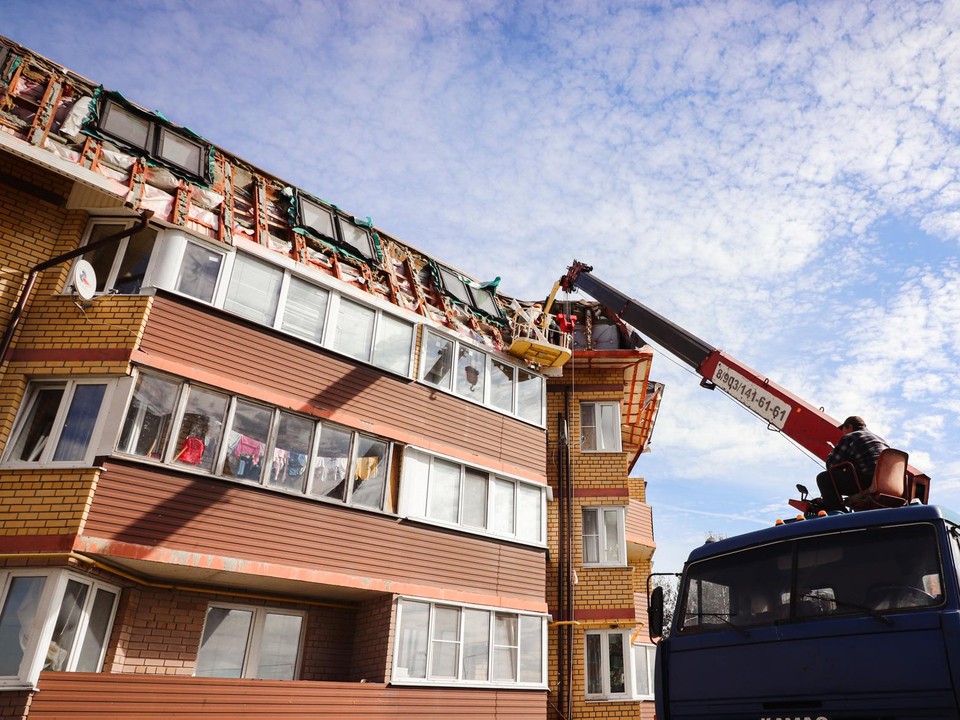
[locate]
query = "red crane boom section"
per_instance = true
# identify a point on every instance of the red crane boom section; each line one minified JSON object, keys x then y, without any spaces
{"x":808,"y":426}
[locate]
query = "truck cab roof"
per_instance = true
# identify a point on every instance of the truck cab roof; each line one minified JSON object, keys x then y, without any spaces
{"x":831,"y":523}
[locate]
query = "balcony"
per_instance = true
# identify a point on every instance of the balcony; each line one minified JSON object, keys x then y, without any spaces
{"x":101,"y":696}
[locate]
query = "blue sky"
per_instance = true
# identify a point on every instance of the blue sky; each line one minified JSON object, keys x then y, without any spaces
{"x":780,"y":178}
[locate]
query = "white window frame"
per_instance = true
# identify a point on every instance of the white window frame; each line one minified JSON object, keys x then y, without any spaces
{"x":170,"y":255}
{"x":603,"y":541}
{"x":416,"y":471}
{"x":458,"y":681}
{"x":331,"y":339}
{"x":614,"y":445}
{"x":45,"y":618}
{"x":184,"y":387}
{"x":44,"y":454}
{"x":650,"y":653}
{"x":252,"y":649}
{"x":119,"y":250}
{"x":628,"y":670}
{"x":425,"y":365}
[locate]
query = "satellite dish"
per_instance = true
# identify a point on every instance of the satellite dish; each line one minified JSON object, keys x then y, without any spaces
{"x":84,"y":280}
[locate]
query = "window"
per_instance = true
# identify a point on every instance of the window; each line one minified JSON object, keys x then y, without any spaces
{"x":122,"y":266}
{"x":291,"y":452}
{"x":454,"y":644}
{"x":52,"y":621}
{"x":355,"y":330}
{"x":201,"y":428}
{"x":326,"y":225}
{"x":604,"y":540}
{"x":175,"y":421}
{"x":530,"y":397}
{"x":250,"y":642}
{"x":473,"y":374}
{"x":58,"y":422}
{"x":501,"y":386}
{"x":305,"y":311}
{"x":600,"y":427}
{"x":644,"y":658}
{"x":468,"y":292}
{"x":146,"y":430}
{"x":247,"y":441}
{"x":445,"y":491}
{"x":262,"y":292}
{"x":254,"y":289}
{"x":870,"y":571}
{"x":150,"y":135}
{"x":199,"y":272}
{"x":373,"y":336}
{"x":617,"y":670}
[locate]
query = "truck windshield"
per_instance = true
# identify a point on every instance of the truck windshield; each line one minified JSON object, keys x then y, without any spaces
{"x":862,"y":572}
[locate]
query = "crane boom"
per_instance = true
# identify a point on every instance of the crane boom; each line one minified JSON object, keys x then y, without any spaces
{"x":808,"y":426}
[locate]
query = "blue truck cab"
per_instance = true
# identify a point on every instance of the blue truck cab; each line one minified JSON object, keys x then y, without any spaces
{"x":848,"y":617}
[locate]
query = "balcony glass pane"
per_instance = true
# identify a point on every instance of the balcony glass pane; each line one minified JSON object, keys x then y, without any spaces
{"x":279,"y":647}
{"x":224,"y":643}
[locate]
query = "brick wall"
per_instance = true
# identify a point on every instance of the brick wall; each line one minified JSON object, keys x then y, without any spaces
{"x":158,"y":632}
{"x":15,"y":704}
{"x":371,"y":658}
{"x":599,"y":480}
{"x":44,"y":502}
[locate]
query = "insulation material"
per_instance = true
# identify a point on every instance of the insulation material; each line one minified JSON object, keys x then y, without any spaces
{"x":62,"y":150}
{"x":70,"y":127}
{"x":157,"y":200}
{"x":162,"y":178}
{"x":112,"y":174}
{"x":281,"y":246}
{"x":206,"y":198}
{"x":111,"y":154}
{"x":204,"y":217}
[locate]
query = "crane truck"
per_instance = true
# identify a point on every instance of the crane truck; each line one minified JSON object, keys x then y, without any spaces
{"x":845,"y":616}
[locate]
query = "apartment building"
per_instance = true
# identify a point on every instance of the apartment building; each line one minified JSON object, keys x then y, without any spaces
{"x":601,"y":415}
{"x":258,"y":458}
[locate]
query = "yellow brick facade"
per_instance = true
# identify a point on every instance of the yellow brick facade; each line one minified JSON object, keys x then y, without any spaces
{"x":604,"y":598}
{"x":36,"y":502}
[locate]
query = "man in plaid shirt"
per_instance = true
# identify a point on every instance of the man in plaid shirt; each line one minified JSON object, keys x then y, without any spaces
{"x":861,"y":448}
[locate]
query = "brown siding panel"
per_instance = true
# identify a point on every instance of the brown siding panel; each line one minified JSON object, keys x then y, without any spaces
{"x":90,"y":696}
{"x":212,"y":342}
{"x":639,"y":523}
{"x":159,"y":509}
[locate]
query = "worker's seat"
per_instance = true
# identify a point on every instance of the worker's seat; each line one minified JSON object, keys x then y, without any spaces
{"x":889,"y":485}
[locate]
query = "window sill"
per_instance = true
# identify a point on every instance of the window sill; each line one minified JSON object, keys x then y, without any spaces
{"x":624,"y":699}
{"x":19,"y":687}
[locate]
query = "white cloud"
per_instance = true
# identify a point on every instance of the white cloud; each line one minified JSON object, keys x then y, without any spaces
{"x":732,"y":164}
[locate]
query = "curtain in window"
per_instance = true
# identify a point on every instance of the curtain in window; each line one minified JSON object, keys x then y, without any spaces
{"x":505,"y":644}
{"x":65,"y":630}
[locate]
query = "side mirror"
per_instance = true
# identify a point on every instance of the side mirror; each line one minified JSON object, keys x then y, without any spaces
{"x":655,"y":613}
